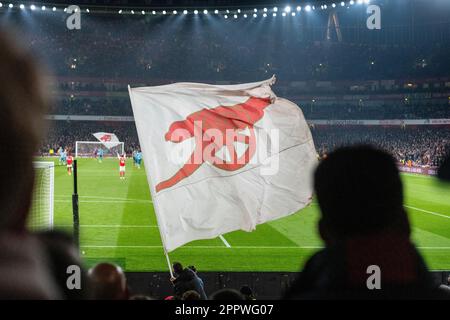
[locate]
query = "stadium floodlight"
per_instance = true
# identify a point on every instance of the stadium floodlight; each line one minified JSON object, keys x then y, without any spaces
{"x":54,"y":9}
{"x":313,"y":7}
{"x":120,"y":11}
{"x":185,"y":12}
{"x":87,"y":10}
{"x":174,"y":11}
{"x":287,"y":9}
{"x":325,"y":6}
{"x":153,"y":12}
{"x":195,"y":11}
{"x":33,"y":7}
{"x":333,"y":5}
{"x":352,"y":2}
{"x":342,"y":4}
{"x":216,"y":11}
{"x":235,"y":16}
{"x":299,"y":8}
{"x":321,"y":7}
{"x":284,"y":14}
{"x":255,"y":15}
{"x":255,"y":10}
{"x":308,"y":8}
{"x":238,"y":10}
{"x":265,"y":9}
{"x":21,"y":6}
{"x":143,"y":12}
{"x":265,"y":15}
{"x":245,"y":15}
{"x":228,"y":11}
{"x":225,"y":16}
{"x":10,"y":5}
{"x":1,"y":4}
{"x":132,"y":11}
{"x":205,"y":11}
{"x":360,"y":2}
{"x":275,"y":9}
{"x":293,"y":14}
{"x":367,"y":1}
{"x":164,"y":12}
{"x":274,"y":14}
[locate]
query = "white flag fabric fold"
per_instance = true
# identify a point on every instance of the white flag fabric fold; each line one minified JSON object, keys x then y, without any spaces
{"x":109,"y":140}
{"x":221,"y":158}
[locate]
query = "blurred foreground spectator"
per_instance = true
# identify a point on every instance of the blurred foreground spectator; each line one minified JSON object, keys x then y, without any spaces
{"x":368,"y":252}
{"x":23,"y":263}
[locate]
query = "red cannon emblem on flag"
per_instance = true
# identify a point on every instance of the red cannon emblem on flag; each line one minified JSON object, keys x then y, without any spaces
{"x":217,"y":133}
{"x":106,"y":138}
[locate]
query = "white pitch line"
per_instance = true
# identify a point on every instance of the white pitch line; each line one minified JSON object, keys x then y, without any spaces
{"x":107,"y":226}
{"x":239,"y":247}
{"x":108,"y":198}
{"x":430,"y":212}
{"x":100,"y":201}
{"x":225,"y":242}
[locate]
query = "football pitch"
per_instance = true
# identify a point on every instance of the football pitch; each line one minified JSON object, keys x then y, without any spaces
{"x":118,"y":224}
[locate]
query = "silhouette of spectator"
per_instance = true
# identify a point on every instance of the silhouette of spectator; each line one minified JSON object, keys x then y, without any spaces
{"x":247,"y":292}
{"x":62,"y":253}
{"x":186,"y":279}
{"x":363,"y":223}
{"x":108,"y":282}
{"x":227,"y":294}
{"x":23,"y":264}
{"x":190,"y":295}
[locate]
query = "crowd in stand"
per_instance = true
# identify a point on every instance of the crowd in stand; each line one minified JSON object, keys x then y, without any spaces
{"x":98,"y":49}
{"x":423,"y":146}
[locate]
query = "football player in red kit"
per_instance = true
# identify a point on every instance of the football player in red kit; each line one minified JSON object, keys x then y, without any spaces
{"x":69,"y":164}
{"x":122,"y":159}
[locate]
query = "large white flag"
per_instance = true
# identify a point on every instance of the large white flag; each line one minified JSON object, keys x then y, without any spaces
{"x":222,"y":158}
{"x":109,"y":140}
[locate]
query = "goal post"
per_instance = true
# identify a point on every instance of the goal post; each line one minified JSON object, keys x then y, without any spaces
{"x":42,"y":206}
{"x":88,"y":149}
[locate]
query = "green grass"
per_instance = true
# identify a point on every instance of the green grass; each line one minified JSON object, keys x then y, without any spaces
{"x":118,"y":224}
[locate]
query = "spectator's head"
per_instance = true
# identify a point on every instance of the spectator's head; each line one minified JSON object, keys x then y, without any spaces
{"x":193,"y":268}
{"x":22,"y":107}
{"x":227,"y":294}
{"x":177,"y":268}
{"x":191,"y":295}
{"x":359,"y":192}
{"x":140,"y":297}
{"x":108,"y":282}
{"x":247,"y":292}
{"x":62,"y":253}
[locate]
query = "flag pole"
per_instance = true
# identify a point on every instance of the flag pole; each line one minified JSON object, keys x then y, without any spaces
{"x":155,"y":203}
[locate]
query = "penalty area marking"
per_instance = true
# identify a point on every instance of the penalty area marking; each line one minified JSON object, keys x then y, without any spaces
{"x":225,"y":242}
{"x":107,"y":226}
{"x":430,"y":212}
{"x":236,"y":247}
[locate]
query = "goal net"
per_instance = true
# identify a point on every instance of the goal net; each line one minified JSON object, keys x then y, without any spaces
{"x":42,"y":206}
{"x":90,"y":148}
